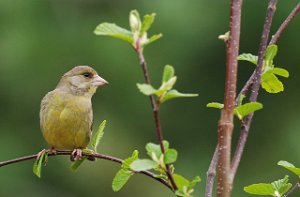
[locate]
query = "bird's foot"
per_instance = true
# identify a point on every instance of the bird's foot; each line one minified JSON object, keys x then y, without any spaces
{"x":76,"y":154}
{"x":52,"y":150}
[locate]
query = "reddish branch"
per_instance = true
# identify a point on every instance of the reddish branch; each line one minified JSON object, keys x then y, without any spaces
{"x":155,"y":109}
{"x":225,"y":126}
{"x":284,"y":25}
{"x":246,"y":123}
{"x":95,"y":155}
{"x":253,"y":97}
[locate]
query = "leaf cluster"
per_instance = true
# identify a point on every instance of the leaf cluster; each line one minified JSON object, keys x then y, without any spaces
{"x":165,"y":91}
{"x":277,"y":188}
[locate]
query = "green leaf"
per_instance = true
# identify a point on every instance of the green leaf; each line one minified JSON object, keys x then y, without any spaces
{"x":170,"y":156}
{"x":121,"y":179}
{"x":248,"y":57}
{"x":260,"y":189}
{"x":175,"y":94}
{"x":290,"y":167}
{"x":168,"y":85}
{"x":282,"y":185}
{"x":37,"y":166}
{"x":180,"y":181}
{"x":196,"y":180}
{"x":147,"y":22}
{"x":180,"y":193}
{"x":281,"y":72}
{"x":215,"y":105}
{"x":98,"y":135}
{"x":155,"y":149}
{"x":271,"y":83}
{"x":168,"y":73}
{"x":143,"y":164}
{"x":75,"y":165}
{"x":146,"y":89}
{"x":270,"y":54}
{"x":153,"y":38}
{"x":135,"y":21}
{"x":243,"y":110}
{"x":111,"y":29}
{"x":127,"y":162}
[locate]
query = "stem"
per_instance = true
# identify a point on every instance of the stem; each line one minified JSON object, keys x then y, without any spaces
{"x":155,"y":109}
{"x":255,"y":86}
{"x":294,"y":188}
{"x":225,"y":126}
{"x":211,"y":173}
{"x":95,"y":155}
{"x":285,"y":23}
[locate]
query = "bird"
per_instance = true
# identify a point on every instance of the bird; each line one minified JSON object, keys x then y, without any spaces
{"x":66,"y":114}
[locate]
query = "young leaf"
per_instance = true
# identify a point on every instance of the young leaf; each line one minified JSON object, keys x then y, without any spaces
{"x":180,"y":181}
{"x":127,"y":162}
{"x":170,"y":156}
{"x":121,"y":179}
{"x":196,"y":180}
{"x":248,"y":57}
{"x":153,"y":38}
{"x":260,"y":189}
{"x":146,"y":89}
{"x":155,"y":149}
{"x":168,"y":73}
{"x":111,"y":29}
{"x":290,"y":167}
{"x":281,"y":72}
{"x":135,"y":21}
{"x":147,"y":22}
{"x":175,"y":94}
{"x":37,"y":166}
{"x":143,"y":164}
{"x":282,"y":185}
{"x":271,"y":52}
{"x":243,"y":110}
{"x":168,"y":85}
{"x":75,"y":165}
{"x":98,"y":135}
{"x":271,"y":83}
{"x":215,"y":105}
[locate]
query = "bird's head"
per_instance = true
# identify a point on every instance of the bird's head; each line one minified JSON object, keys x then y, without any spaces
{"x":81,"y":80}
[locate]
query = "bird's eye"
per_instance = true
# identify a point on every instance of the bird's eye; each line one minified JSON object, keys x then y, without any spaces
{"x":87,"y":75}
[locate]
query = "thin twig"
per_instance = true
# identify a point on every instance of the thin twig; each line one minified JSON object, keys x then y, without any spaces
{"x":155,"y":110}
{"x":211,"y":173}
{"x":225,"y":126}
{"x":255,"y":86}
{"x":284,"y":25}
{"x":292,"y":190}
{"x":95,"y":155}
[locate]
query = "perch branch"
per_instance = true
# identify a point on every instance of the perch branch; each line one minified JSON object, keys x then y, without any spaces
{"x":95,"y":155}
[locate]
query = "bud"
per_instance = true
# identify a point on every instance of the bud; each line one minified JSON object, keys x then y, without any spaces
{"x":135,"y":21}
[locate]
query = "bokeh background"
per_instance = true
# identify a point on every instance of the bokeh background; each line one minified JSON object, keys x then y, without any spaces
{"x":41,"y":40}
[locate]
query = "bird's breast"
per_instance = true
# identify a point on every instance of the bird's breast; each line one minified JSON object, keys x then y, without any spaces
{"x":67,"y":119}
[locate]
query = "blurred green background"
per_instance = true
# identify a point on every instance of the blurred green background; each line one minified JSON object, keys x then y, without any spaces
{"x":41,"y":40}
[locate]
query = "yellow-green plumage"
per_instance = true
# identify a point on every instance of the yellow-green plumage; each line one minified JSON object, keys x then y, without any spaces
{"x":66,"y":113}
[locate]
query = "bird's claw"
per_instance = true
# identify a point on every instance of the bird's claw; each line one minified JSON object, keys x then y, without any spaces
{"x":76,"y":154}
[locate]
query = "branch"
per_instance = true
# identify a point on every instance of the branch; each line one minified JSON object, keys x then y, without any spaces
{"x":225,"y":126}
{"x":285,"y":23}
{"x":155,"y":109}
{"x":211,"y":173}
{"x":246,"y":123}
{"x":294,"y":188}
{"x":95,"y":155}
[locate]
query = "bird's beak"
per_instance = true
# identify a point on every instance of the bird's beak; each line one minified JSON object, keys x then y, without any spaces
{"x":98,"y":81}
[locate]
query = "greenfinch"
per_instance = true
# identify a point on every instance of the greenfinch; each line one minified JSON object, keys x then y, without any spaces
{"x":66,"y":113}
